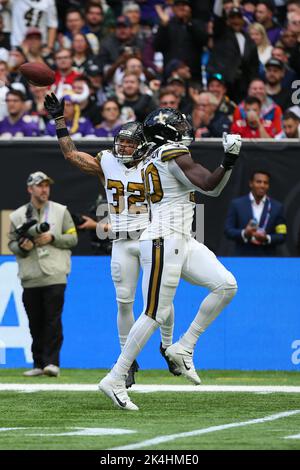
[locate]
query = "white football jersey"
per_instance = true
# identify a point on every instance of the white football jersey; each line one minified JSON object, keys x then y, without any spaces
{"x":171,"y":202}
{"x":41,"y":14}
{"x":125,"y":194}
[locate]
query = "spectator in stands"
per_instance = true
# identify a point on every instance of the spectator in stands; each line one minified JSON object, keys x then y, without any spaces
{"x":270,"y":111}
{"x":87,"y":100}
{"x":234,"y":54}
{"x":64,"y":74}
{"x":33,"y":46}
{"x":291,"y":126}
{"x":290,"y":75}
{"x":275,"y":72}
{"x":42,"y":15}
{"x":293,"y":6}
{"x":264,"y":14}
{"x":4,"y":39}
{"x":94,"y":18}
{"x":130,"y":96}
{"x":18,"y":123}
{"x":15,"y":60}
{"x":256,"y":222}
{"x":180,"y":88}
{"x":168,"y":99}
{"x":112,"y":123}
{"x":288,"y":40}
{"x":3,"y":88}
{"x":207,"y":121}
{"x":264,"y":48}
{"x":253,"y":125}
{"x":37,"y":107}
{"x":178,"y":68}
{"x":182,"y":37}
{"x":118,"y":47}
{"x":217,"y":86}
{"x":95,"y":75}
{"x":294,"y":26}
{"x":77,"y":125}
{"x":75,"y":24}
{"x":81,"y":52}
{"x":133,"y":12}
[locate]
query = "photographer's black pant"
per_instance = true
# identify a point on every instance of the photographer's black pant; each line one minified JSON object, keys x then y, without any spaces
{"x":44,"y":307}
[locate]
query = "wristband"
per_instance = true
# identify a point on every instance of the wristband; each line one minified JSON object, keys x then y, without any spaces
{"x":62,"y":132}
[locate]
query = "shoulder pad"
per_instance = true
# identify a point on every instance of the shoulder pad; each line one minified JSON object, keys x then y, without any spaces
{"x":170,"y":151}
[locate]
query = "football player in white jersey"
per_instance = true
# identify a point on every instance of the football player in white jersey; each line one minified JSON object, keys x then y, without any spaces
{"x":168,"y":251}
{"x":120,"y":173}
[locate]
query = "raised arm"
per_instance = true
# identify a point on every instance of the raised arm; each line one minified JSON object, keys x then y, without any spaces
{"x":84,"y":161}
{"x":194,"y":175}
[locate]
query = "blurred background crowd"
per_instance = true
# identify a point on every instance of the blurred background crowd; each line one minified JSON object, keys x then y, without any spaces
{"x":228,"y":65}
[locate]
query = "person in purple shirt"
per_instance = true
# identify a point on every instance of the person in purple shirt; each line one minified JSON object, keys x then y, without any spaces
{"x":18,"y":123}
{"x":264,"y":14}
{"x":77,"y":125}
{"x":111,"y":123}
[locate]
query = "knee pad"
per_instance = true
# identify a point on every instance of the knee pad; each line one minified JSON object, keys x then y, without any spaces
{"x":124,"y":292}
{"x":229,"y":286}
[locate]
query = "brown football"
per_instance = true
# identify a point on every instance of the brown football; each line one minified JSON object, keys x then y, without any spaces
{"x":37,"y":73}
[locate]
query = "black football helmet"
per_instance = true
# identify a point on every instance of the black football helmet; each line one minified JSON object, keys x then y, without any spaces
{"x":166,"y":126}
{"x":130,"y":132}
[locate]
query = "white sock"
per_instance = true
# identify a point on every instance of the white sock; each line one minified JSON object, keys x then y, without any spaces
{"x":166,"y":330}
{"x":210,"y":308}
{"x":125,"y":321}
{"x":138,"y":336}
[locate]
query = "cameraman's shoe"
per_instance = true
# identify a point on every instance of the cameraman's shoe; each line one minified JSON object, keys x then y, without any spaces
{"x":130,"y":380}
{"x":171,"y":365}
{"x":51,"y":370}
{"x":33,"y":372}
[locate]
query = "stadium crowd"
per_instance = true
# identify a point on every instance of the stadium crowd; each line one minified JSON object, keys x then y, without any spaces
{"x":228,"y":65}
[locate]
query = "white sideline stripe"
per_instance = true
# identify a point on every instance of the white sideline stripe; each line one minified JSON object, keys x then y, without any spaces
{"x":29,"y":388}
{"x":198,"y":432}
{"x":296,"y":436}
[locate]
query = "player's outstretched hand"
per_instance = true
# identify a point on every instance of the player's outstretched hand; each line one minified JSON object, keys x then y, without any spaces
{"x":232,"y":145}
{"x":54,"y":107}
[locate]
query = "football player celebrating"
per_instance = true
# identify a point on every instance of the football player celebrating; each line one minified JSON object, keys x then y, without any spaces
{"x":168,"y":251}
{"x":120,"y":172}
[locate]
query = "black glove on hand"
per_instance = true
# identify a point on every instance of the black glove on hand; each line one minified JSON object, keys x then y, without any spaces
{"x":54,"y":107}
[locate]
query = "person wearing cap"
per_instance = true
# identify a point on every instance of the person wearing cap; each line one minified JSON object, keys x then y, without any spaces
{"x":275,"y":72}
{"x":95,"y":74}
{"x":217,"y":86}
{"x":264,"y":14}
{"x":118,"y":47}
{"x":182,"y":37}
{"x":234,"y":54}
{"x":33,"y":46}
{"x":43,"y":258}
{"x":77,"y":125}
{"x":18,"y":123}
{"x":133,"y":12}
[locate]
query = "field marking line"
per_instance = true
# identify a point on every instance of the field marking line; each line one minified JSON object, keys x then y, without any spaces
{"x":199,"y":432}
{"x":295,"y":436}
{"x":40,"y":387}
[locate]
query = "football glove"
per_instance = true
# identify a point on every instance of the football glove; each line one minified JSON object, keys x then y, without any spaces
{"x":232,"y":145}
{"x":54,"y":107}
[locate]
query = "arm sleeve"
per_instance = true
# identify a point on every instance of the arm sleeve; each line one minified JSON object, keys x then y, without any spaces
{"x":180,"y":176}
{"x":68,"y":238}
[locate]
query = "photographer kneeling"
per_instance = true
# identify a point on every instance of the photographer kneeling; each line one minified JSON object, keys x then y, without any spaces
{"x":41,"y":235}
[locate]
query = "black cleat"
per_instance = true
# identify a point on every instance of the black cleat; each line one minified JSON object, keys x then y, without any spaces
{"x":130,"y":377}
{"x":171,"y":365}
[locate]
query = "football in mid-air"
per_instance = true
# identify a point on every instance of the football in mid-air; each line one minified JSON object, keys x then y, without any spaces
{"x":37,"y":74}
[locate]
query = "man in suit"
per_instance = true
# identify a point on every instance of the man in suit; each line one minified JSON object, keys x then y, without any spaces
{"x":234,"y":54}
{"x":256,"y":222}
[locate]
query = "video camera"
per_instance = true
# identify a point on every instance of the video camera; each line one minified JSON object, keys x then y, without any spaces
{"x":31,"y":229}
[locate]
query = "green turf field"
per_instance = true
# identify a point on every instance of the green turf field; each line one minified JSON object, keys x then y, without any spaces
{"x":45,"y":416}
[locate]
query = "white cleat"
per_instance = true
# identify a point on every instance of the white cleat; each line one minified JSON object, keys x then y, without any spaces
{"x":183,"y":361}
{"x":116,"y":390}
